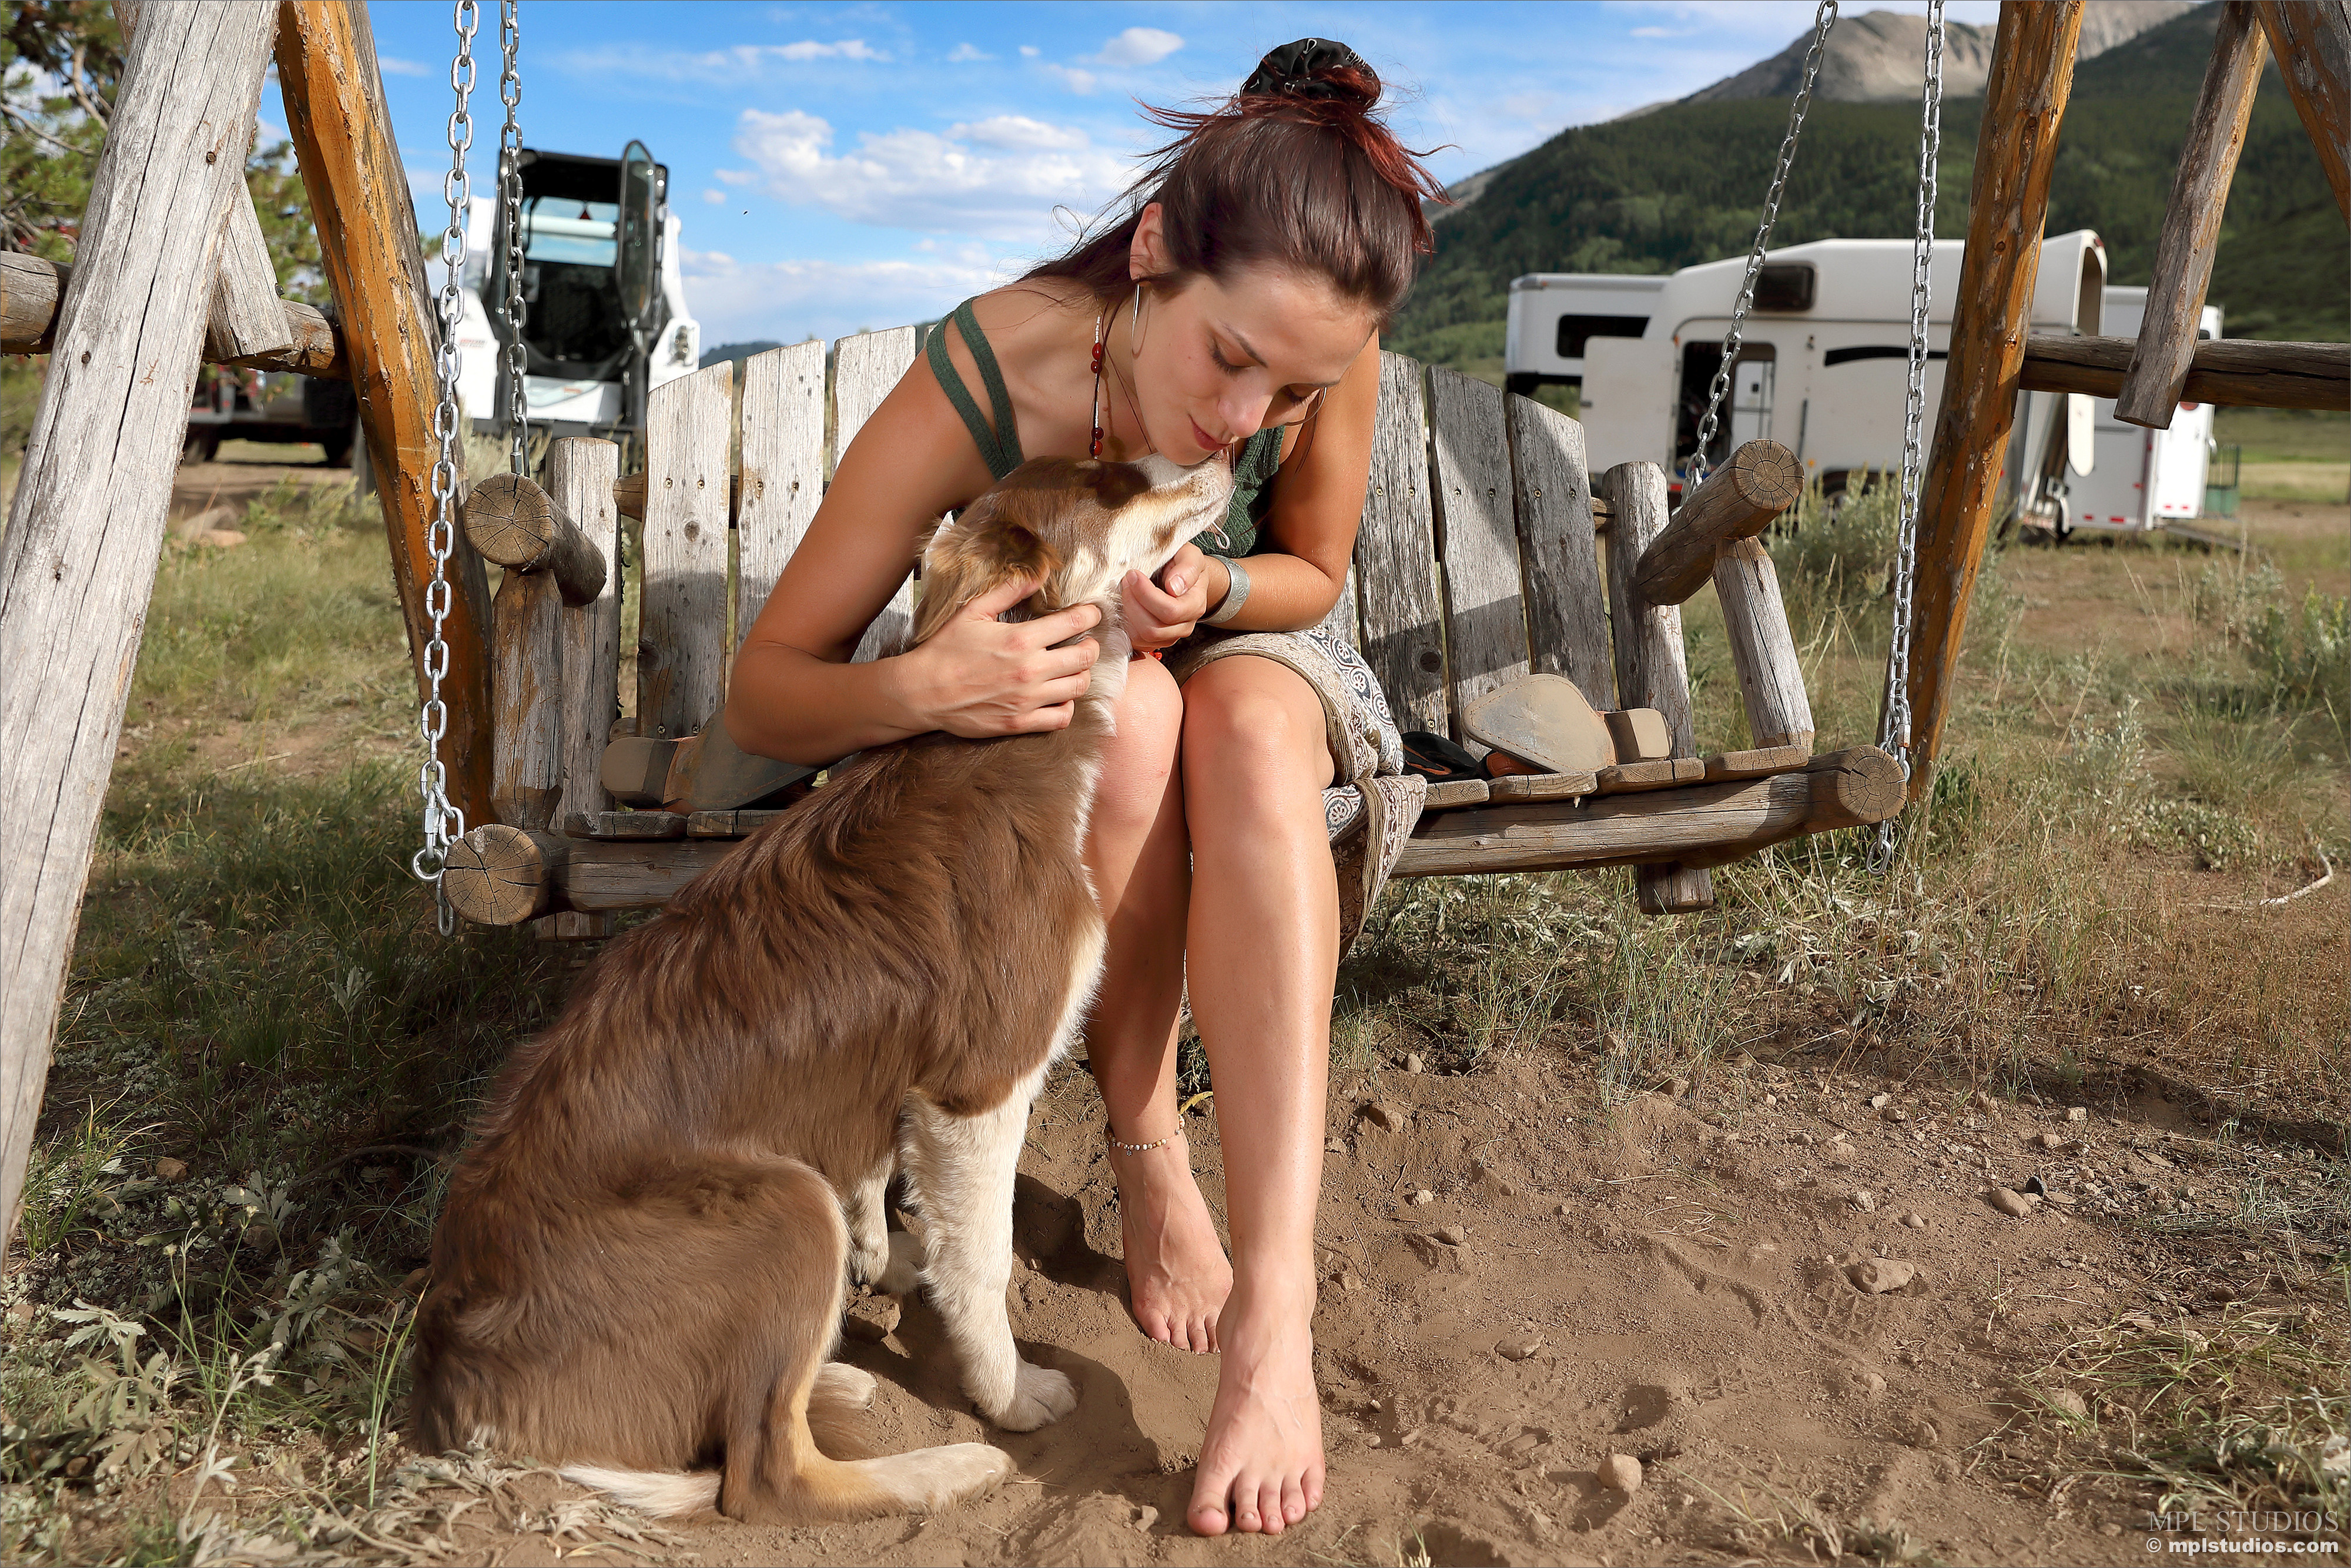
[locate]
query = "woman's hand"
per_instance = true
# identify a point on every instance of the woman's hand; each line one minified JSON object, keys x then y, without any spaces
{"x":1156,"y":617}
{"x":980,"y":677}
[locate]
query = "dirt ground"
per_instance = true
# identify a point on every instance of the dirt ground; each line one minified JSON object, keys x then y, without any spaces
{"x":1519,"y":1284}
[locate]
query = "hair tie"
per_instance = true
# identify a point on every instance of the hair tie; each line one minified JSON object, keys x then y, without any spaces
{"x":1289,"y":71}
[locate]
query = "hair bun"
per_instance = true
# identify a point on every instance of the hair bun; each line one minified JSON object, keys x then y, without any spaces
{"x":1305,"y":69}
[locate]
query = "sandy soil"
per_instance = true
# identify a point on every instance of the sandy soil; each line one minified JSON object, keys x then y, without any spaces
{"x":1674,"y":1279}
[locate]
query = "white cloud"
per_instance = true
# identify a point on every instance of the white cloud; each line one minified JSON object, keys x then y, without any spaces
{"x":713,"y":198}
{"x":963,"y":53}
{"x":787,"y":300}
{"x":734,"y":176}
{"x":715,"y":66}
{"x":1137,"y":47}
{"x":1028,"y":51}
{"x":393,"y":65}
{"x":1070,"y":76}
{"x":1661,"y":32}
{"x":998,"y":178}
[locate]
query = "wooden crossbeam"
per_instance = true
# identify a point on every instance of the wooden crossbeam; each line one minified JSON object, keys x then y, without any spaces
{"x":2237,"y":372}
{"x":310,"y":344}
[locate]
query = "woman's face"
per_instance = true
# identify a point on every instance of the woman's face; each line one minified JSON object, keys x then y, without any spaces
{"x":1219,"y":361}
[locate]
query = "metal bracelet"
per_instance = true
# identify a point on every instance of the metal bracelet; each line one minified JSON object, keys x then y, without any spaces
{"x":1235,"y":596}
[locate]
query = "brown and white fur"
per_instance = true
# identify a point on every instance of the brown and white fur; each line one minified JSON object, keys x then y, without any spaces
{"x":640,"y":1271}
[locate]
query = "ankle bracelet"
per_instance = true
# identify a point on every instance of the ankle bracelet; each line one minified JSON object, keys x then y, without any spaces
{"x":1124,"y":1148}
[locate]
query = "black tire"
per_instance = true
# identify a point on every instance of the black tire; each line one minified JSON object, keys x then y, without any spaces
{"x":338,"y":449}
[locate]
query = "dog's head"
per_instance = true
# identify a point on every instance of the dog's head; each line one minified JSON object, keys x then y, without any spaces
{"x":1077,"y":526}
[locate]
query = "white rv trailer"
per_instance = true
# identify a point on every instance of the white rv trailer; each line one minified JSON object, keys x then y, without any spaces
{"x":1554,"y":314}
{"x":1824,"y":361}
{"x":2141,"y":477}
{"x":604,"y":319}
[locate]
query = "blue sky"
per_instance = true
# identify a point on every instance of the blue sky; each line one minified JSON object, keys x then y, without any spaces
{"x":842,"y":167}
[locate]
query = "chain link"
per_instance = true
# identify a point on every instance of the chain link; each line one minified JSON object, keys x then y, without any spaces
{"x":444,"y":823}
{"x":1824,"y":19}
{"x":1894,"y":724}
{"x":517,"y":356}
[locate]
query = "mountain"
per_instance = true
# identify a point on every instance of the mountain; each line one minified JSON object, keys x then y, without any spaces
{"x":1684,"y":185}
{"x":735,"y":353}
{"x":1879,"y":56}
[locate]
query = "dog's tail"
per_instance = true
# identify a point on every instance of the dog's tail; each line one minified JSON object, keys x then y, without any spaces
{"x":663,"y":1494}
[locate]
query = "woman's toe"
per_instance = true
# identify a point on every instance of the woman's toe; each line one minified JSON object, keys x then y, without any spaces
{"x":1269,"y":1507}
{"x":1293,"y":1501}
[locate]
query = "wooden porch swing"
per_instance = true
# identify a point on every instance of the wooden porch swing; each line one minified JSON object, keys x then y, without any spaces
{"x":1484,"y":547}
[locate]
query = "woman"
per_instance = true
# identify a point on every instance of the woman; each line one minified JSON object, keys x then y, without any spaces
{"x":1233,"y":315}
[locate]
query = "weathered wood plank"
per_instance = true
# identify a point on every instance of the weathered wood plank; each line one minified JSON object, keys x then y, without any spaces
{"x":2312,"y":41}
{"x":619,"y":874}
{"x":728,"y":824}
{"x":1737,"y":501}
{"x":1762,"y":648}
{"x":2190,"y":235}
{"x":681,"y":624}
{"x":1705,"y":824}
{"x":1652,"y":670}
{"x":1567,"y":617}
{"x":865,"y":369}
{"x":1545,"y":787}
{"x":2032,"y":78}
{"x":367,"y":234}
{"x":1453,"y":794}
{"x":627,"y":826}
{"x":579,"y":476}
{"x":1759,"y":763}
{"x":1640,"y":733}
{"x":526,"y":683}
{"x":2237,"y":372}
{"x":86,"y":527}
{"x":783,"y":469}
{"x":1485,"y":597}
{"x":247,"y":316}
{"x":1395,"y":557}
{"x":1345,"y":621}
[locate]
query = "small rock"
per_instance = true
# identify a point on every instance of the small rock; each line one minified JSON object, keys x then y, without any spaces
{"x":2013,"y":1204}
{"x":2110,"y":1528}
{"x":1413,"y":1063}
{"x":1503,"y":1186}
{"x":1874,"y":1384}
{"x":1880,"y":1102}
{"x":2077,"y":1113}
{"x":1621,"y":1472}
{"x":1518,"y":1349}
{"x":1420,"y":1196}
{"x":1452,"y":1235}
{"x":219,"y":538}
{"x":1334,"y":1146}
{"x":871,"y":1319}
{"x":1677,"y":1088}
{"x":1350,"y":1281}
{"x":1613,"y":1043}
{"x":1879,"y":1276}
{"x":1864,"y":1200}
{"x":2065,"y":1402}
{"x":2050,"y":1141}
{"x":170,"y":1169}
{"x":212,"y":519}
{"x":1985,"y":1098}
{"x":1380,"y":1113}
{"x":1922,"y":1435}
{"x":1915,"y":1220}
{"x":23,"y":1312}
{"x":2067,"y":1198}
{"x":1561,"y":1209}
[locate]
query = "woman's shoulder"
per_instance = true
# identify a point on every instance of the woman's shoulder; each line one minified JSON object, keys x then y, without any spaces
{"x":1028,"y":318}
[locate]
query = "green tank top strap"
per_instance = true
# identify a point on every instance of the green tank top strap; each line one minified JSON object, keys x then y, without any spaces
{"x":1000,"y":447}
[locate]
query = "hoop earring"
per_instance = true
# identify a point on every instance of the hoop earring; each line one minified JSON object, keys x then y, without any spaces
{"x":1135,"y":326}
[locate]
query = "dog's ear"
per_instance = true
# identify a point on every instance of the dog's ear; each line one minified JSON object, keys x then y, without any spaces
{"x":980,"y":551}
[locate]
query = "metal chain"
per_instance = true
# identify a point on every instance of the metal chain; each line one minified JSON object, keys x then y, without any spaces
{"x":510,"y":205}
{"x":1824,"y":19}
{"x":444,"y":823}
{"x":1894,"y":725}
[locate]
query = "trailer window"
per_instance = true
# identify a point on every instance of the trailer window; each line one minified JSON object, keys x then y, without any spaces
{"x":1575,"y":331}
{"x":1785,"y":286}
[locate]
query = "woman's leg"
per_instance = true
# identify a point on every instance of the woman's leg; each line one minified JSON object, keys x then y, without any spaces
{"x":1135,"y":848}
{"x":1264,"y":949}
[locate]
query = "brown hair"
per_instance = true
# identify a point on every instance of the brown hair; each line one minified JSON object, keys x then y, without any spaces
{"x":1297,"y":169}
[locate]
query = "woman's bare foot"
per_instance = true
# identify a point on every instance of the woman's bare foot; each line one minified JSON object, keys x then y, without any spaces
{"x":1175,"y":1267}
{"x":1261,"y":1462}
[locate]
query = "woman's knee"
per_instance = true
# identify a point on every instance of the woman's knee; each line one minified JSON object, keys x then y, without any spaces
{"x":1253,"y":725}
{"x":1139,"y":756}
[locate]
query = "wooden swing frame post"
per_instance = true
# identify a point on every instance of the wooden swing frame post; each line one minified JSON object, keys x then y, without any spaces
{"x":2024,"y":103}
{"x":366,"y":233}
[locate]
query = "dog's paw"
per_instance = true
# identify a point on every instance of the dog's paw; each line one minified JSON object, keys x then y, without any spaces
{"x":839,"y":1384}
{"x":903,"y":1274}
{"x":928,"y":1479}
{"x":1039,"y":1394}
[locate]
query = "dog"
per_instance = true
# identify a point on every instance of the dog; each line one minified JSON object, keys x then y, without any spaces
{"x":640,"y":1271}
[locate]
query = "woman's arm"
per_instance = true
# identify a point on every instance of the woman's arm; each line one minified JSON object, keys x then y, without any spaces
{"x":794,"y":695}
{"x":1318,"y":504}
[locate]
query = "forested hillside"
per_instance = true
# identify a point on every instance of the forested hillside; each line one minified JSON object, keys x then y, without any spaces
{"x":1685,"y":184}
